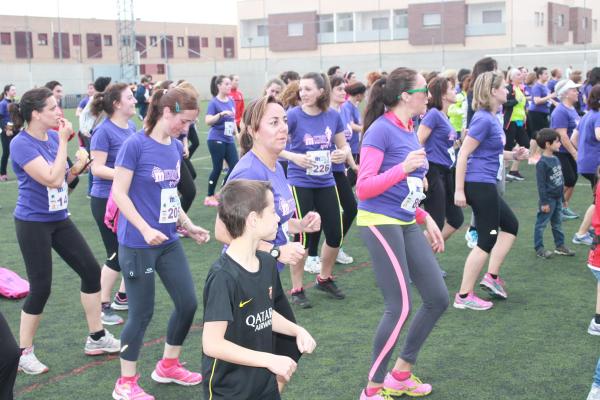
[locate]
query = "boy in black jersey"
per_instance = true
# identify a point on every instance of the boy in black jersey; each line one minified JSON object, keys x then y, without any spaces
{"x":239,"y":319}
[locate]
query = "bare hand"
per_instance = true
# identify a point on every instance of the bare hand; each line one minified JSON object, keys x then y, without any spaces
{"x":186,"y":152}
{"x":65,"y":129}
{"x":302,"y":160}
{"x":435,"y":235}
{"x":282,"y":366}
{"x":425,"y":184}
{"x":227,"y":112}
{"x":545,"y":208}
{"x":291,"y":253}
{"x":459,"y":199}
{"x":304,"y":341}
{"x":199,"y":234}
{"x":338,"y":156}
{"x":414,"y":160}
{"x":521,"y":153}
{"x":154,"y":237}
{"x":311,"y":222}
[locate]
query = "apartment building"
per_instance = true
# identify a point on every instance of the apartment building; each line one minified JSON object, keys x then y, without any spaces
{"x":283,"y":29}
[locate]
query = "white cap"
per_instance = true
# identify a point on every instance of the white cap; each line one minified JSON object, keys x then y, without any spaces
{"x":563,"y":86}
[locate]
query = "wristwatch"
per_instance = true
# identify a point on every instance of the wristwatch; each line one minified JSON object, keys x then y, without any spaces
{"x":275,"y":252}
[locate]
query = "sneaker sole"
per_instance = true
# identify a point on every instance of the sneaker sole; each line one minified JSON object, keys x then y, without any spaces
{"x":333,"y":296}
{"x":344,"y":262}
{"x":312,"y":271}
{"x":593,"y":332}
{"x":155,"y":377}
{"x":119,"y":307}
{"x":398,"y":393}
{"x":99,"y":352}
{"x":492,"y":292}
{"x":32,"y":372}
{"x":117,"y":396}
{"x":464,"y":307}
{"x":560,"y":253}
{"x":113,"y":323}
{"x":580,"y":242}
{"x":302,"y":305}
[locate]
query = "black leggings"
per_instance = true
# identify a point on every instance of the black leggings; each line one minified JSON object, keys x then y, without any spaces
{"x":5,"y":152}
{"x":220,"y":151}
{"x":439,"y":202}
{"x":349,"y":210}
{"x":36,"y":240}
{"x":537,"y":121}
{"x":326,"y":202}
{"x":351,"y":174}
{"x":491,"y":213}
{"x":193,"y":139}
{"x":569,"y":168}
{"x":516,"y":135}
{"x":109,"y":238}
{"x":186,"y":186}
{"x":9,"y":360}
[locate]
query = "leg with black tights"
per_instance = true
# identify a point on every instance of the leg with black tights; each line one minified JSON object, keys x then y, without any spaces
{"x":231,"y":156}
{"x":9,"y":360}
{"x":193,"y":139}
{"x":347,"y":200}
{"x":217,"y":150}
{"x":186,"y":187}
{"x":5,"y":152}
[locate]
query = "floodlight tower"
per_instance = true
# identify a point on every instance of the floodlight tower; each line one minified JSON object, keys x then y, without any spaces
{"x":126,"y":41}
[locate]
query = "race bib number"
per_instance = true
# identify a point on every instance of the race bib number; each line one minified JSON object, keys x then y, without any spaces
{"x":415,"y":194}
{"x":58,"y":199}
{"x":229,"y":128}
{"x":500,"y":167}
{"x":169,"y":206}
{"x":286,"y":231}
{"x":452,"y":154}
{"x":321,"y":162}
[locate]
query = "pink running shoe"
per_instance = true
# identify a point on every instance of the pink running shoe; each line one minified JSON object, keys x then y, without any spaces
{"x":210,"y":201}
{"x":381,"y":395}
{"x":411,"y":387}
{"x":3,"y":178}
{"x":472,"y":302}
{"x":176,"y":374}
{"x":495,"y":287}
{"x":130,"y":390}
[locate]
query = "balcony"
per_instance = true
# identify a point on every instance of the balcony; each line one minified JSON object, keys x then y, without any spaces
{"x":400,"y":33}
{"x":485,"y":29}
{"x":254,"y":41}
{"x":373,"y":36}
{"x":326,"y":37}
{"x":345,"y":36}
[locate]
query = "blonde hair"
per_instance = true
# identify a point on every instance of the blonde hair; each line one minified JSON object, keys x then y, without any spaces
{"x":188,"y":86}
{"x":482,"y":90}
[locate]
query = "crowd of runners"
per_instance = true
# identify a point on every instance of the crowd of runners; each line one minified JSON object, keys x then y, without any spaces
{"x":398,"y":158}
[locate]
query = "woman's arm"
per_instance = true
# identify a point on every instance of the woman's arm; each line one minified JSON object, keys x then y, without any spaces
{"x":99,"y":167}
{"x":468,"y":146}
{"x":423,"y":133}
{"x":566,"y":142}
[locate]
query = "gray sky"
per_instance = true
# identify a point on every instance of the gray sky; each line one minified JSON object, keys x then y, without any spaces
{"x":197,"y":11}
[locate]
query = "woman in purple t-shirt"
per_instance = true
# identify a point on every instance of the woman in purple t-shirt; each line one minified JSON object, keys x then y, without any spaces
{"x":144,"y":188}
{"x":441,"y":143}
{"x":39,"y":159}
{"x":118,"y":102}
{"x":313,"y":129}
{"x":479,"y":166}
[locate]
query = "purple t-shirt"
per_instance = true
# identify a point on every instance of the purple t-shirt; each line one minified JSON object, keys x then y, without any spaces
{"x":156,"y":172}
{"x":395,"y":142}
{"x":108,"y":138}
{"x":584,"y":94}
{"x":539,"y":90}
{"x":33,"y":203}
{"x":483,"y":165}
{"x":341,"y":167}
{"x":224,"y":129}
{"x":440,"y":142}
{"x":564,"y":117}
{"x":252,"y":168}
{"x":527,"y":92}
{"x":552,"y":84}
{"x":84,"y":102}
{"x":588,"y":148}
{"x":314,"y":135}
{"x":350,"y":113}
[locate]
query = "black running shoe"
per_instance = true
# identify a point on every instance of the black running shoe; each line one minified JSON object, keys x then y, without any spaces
{"x":299,"y":298}
{"x":328,"y":286}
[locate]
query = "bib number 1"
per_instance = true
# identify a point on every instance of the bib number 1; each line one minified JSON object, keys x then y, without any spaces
{"x":58,"y":198}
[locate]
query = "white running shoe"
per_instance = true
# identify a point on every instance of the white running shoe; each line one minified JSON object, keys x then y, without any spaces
{"x":594,"y":328}
{"x":107,"y":344}
{"x":471,"y":237}
{"x":312,"y":265}
{"x":343,"y":258}
{"x":29,"y":363}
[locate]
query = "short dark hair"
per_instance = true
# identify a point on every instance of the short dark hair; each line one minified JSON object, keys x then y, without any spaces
{"x":331,"y":70}
{"x":356,"y":88}
{"x":593,"y":100}
{"x":101,"y":83}
{"x":288,"y":76}
{"x":52,"y":84}
{"x":546,"y":135}
{"x":437,"y":90}
{"x":238,"y":199}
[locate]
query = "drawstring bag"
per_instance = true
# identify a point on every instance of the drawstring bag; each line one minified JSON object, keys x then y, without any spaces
{"x":12,"y":285}
{"x":111,"y":215}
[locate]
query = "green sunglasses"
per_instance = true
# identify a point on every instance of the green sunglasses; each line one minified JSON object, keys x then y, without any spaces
{"x":412,"y":91}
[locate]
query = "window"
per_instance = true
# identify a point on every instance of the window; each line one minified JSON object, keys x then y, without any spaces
{"x":42,"y":39}
{"x":537,"y":18}
{"x":585,"y":23}
{"x":160,"y":69}
{"x":561,"y":20}
{"x":23,"y":44}
{"x":107,"y":40}
{"x":153,"y":41}
{"x":295,"y":29}
{"x":180,"y":41}
{"x":125,"y":41}
{"x":380,"y":23}
{"x":432,"y":20}
{"x":5,"y":38}
{"x":76,"y":40}
{"x":542,"y":19}
{"x":400,"y":19}
{"x":345,"y":22}
{"x":94,"y":45}
{"x":491,"y":16}
{"x":218,"y":42}
{"x":262,"y":30}
{"x":325,"y":23}
{"x":204,"y":42}
{"x":194,"y":46}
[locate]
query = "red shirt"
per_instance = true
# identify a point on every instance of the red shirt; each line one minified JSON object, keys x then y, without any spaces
{"x":238,"y":99}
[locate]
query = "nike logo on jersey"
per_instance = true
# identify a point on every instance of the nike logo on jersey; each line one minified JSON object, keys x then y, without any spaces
{"x":243,"y":303}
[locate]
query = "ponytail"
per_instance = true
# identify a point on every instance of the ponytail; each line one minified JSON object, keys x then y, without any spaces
{"x":176,"y":99}
{"x":16,"y":116}
{"x":32,"y":100}
{"x":246,"y":141}
{"x":214,"y":84}
{"x":375,"y":107}
{"x":105,"y":101}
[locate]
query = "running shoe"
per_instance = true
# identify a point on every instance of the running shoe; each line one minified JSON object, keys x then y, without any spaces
{"x":120,"y":303}
{"x":210,"y":201}
{"x":515,"y":176}
{"x":176,"y":374}
{"x":494,"y":287}
{"x":382,"y":394}
{"x":412,"y":386}
{"x":594,"y":328}
{"x":182,"y":232}
{"x":471,"y":237}
{"x":312,"y":264}
{"x":343,"y":258}
{"x":567,"y":213}
{"x":328,"y":286}
{"x":564,"y":251}
{"x":107,"y":344}
{"x":594,"y":393}
{"x":471,"y":302}
{"x":109,"y":317}
{"x":29,"y":363}
{"x":586,"y":239}
{"x":3,"y":178}
{"x":299,"y":298}
{"x":543,"y":253}
{"x":130,"y":390}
